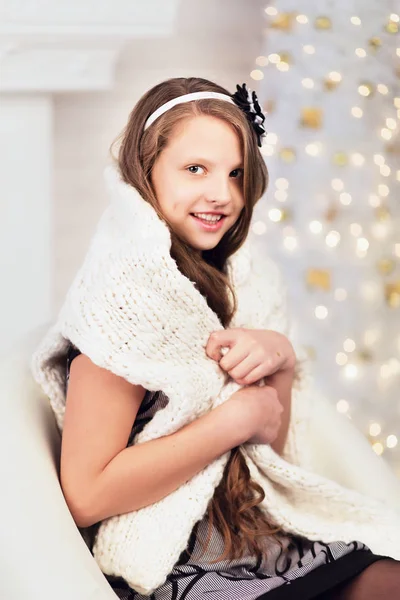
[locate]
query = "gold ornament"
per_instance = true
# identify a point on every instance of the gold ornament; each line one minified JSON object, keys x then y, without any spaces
{"x":375,"y":42}
{"x":382,"y":213}
{"x":392,"y":294}
{"x":392,"y":27}
{"x":269,"y":106}
{"x":393,"y":147}
{"x":285,"y":57}
{"x":364,"y":355}
{"x":311,"y":117}
{"x":283,"y":21}
{"x":331,"y":213}
{"x":386,"y":266}
{"x":288,"y":154}
{"x":318,"y":279}
{"x":311,"y":352}
{"x":323,"y":23}
{"x":286,"y":215}
{"x":330,"y":85}
{"x":340,"y":159}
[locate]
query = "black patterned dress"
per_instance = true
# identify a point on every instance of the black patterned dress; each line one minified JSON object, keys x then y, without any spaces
{"x":295,"y":568}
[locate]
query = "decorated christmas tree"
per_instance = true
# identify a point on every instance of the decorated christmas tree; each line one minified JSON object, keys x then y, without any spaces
{"x":329,"y":81}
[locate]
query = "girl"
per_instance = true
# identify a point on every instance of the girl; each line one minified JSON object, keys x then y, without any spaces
{"x":190,"y":149}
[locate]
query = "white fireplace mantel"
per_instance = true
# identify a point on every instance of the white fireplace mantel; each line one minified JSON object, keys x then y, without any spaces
{"x":49,"y":47}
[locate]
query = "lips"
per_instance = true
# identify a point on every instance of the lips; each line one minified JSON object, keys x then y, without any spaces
{"x":209,"y":225}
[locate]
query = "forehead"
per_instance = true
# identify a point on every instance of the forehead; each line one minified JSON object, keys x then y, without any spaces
{"x":206,"y":136}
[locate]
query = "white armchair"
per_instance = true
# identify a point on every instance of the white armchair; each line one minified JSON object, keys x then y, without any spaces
{"x":42,"y":553}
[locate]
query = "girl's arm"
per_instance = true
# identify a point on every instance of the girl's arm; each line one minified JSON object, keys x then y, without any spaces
{"x":101,"y":477}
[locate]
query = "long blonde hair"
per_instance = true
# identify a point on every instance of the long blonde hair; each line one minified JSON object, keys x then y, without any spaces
{"x":234,"y":507}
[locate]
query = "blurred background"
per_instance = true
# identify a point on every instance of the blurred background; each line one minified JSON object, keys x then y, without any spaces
{"x":327,"y":73}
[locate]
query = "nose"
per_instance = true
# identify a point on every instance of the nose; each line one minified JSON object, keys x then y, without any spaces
{"x":219,"y":191}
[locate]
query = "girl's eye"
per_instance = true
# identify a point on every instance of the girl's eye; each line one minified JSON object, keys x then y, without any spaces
{"x":238,"y":171}
{"x":194,"y":167}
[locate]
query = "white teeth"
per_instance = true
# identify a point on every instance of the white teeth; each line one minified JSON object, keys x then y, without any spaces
{"x":205,"y":217}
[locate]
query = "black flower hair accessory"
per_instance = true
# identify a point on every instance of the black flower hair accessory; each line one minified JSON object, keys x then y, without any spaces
{"x":247,"y":101}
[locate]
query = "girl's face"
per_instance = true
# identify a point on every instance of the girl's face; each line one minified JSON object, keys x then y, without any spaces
{"x":200,"y":171}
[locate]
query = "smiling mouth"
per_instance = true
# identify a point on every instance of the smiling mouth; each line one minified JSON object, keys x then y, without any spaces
{"x":209,"y":225}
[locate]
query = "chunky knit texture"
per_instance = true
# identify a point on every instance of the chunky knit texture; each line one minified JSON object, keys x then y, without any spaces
{"x":133,"y":312}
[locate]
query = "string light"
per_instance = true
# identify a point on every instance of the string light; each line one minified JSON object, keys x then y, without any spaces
{"x":362,"y":244}
{"x":274,"y":58}
{"x":345,"y":198}
{"x":315,"y":226}
{"x":275,"y":214}
{"x":259,"y":228}
{"x":383,"y":190}
{"x":313,"y":149}
{"x":364,"y":90}
{"x":357,"y":112}
{"x":335,"y":76}
{"x":280,"y":195}
{"x":340,"y":294}
{"x":351,"y":371}
{"x":386,"y":133}
{"x":282,"y":66}
{"x":342,"y":406}
{"x":281,"y":183}
{"x":378,"y":448}
{"x":357,"y":159}
{"x":303,"y":19}
{"x":332,"y":239}
{"x":341,"y":358}
{"x":337,"y":185}
{"x":366,"y":238}
{"x":355,"y":229}
{"x":349,"y":345}
{"x":378,"y":159}
{"x":290,"y":242}
{"x":382,"y":88}
{"x":257,"y":75}
{"x":375,"y":429}
{"x":308,"y":83}
{"x":391,"y":441}
{"x":262,"y":61}
{"x":321,"y":312}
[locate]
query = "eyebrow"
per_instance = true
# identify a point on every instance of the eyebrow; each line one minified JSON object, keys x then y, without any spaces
{"x":209,"y":162}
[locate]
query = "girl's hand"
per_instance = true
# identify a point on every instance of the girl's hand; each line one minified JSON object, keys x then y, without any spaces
{"x":252,"y":354}
{"x":259,"y":412}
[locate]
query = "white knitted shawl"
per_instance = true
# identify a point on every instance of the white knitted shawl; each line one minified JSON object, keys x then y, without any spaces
{"x":133,"y":312}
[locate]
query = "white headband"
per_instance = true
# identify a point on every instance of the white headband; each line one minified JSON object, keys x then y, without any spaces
{"x":185,"y":98}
